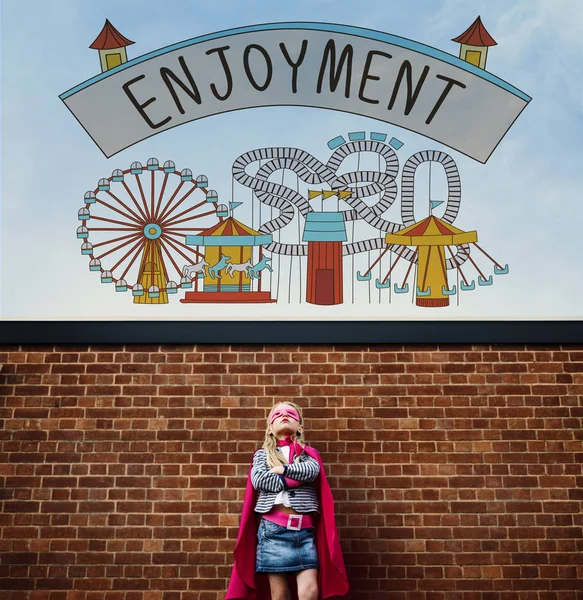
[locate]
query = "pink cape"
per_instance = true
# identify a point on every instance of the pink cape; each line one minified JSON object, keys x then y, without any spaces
{"x":245,"y":584}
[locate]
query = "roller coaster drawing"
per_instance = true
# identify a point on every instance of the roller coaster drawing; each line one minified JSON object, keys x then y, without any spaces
{"x":367,"y":194}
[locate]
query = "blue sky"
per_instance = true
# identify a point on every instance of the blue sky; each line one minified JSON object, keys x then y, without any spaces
{"x":525,"y":202}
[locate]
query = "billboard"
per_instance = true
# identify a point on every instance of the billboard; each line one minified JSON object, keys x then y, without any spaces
{"x":170,"y":172}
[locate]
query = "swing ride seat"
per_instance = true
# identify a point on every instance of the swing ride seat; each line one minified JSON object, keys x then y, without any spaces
{"x":447,"y":292}
{"x":427,"y":292}
{"x":468,"y":287}
{"x":379,"y":285}
{"x":401,"y":290}
{"x":363,"y":277}
{"x":482,"y":281}
{"x":500,"y":271}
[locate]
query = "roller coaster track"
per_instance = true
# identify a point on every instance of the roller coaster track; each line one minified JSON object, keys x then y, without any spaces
{"x":313,"y":172}
{"x":454,"y":194}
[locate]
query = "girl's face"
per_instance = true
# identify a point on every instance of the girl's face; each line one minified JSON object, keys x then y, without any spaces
{"x":284,"y":421}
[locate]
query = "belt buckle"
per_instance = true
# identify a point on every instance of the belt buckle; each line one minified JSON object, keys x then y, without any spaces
{"x":294,"y":517}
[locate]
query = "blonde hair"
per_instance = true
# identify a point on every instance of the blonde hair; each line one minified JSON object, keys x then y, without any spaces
{"x":275,"y":458}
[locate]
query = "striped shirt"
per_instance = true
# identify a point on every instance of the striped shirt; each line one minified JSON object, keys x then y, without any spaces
{"x":283,"y":497}
{"x":303,"y":499}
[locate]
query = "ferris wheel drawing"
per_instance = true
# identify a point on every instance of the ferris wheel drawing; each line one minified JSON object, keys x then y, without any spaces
{"x":134,"y":223}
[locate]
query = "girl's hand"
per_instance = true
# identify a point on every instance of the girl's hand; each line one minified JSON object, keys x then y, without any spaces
{"x":277,"y":470}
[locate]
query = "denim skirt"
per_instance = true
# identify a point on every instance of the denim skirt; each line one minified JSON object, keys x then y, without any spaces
{"x":280,"y":549}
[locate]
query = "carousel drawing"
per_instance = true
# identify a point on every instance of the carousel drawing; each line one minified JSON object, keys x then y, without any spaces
{"x":229,"y":249}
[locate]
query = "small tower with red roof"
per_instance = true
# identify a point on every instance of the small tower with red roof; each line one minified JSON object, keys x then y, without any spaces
{"x":112,"y":47}
{"x":475,"y":41}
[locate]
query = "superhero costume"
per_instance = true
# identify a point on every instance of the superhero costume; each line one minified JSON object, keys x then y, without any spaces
{"x":245,"y":584}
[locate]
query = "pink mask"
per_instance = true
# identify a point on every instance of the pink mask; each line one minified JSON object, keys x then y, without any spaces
{"x":290,"y":412}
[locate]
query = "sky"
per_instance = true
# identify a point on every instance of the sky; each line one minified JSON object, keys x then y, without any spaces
{"x":525,"y":202}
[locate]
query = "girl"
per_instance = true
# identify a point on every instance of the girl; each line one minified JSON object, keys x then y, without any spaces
{"x":288,"y":525}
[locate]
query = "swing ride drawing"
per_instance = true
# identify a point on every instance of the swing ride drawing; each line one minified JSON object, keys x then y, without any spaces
{"x":139,"y":225}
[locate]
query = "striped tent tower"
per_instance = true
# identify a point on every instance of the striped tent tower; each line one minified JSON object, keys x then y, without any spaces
{"x":324,"y":232}
{"x":228,"y":242}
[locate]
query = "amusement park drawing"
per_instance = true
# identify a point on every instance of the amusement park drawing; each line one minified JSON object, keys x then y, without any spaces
{"x":226,"y":248}
{"x":354,"y":174}
{"x":158,"y":231}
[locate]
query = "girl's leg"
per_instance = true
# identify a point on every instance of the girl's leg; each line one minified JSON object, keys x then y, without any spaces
{"x":279,"y":587}
{"x":308,"y":584}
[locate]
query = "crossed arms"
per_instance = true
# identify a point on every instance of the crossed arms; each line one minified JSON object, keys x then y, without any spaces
{"x":296,"y":474}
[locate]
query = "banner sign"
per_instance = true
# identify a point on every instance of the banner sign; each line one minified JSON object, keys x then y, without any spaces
{"x":337,"y":67}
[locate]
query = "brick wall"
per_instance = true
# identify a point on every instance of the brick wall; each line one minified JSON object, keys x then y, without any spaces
{"x":457,"y":471}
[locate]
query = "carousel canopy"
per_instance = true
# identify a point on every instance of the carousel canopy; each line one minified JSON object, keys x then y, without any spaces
{"x":229,"y":233}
